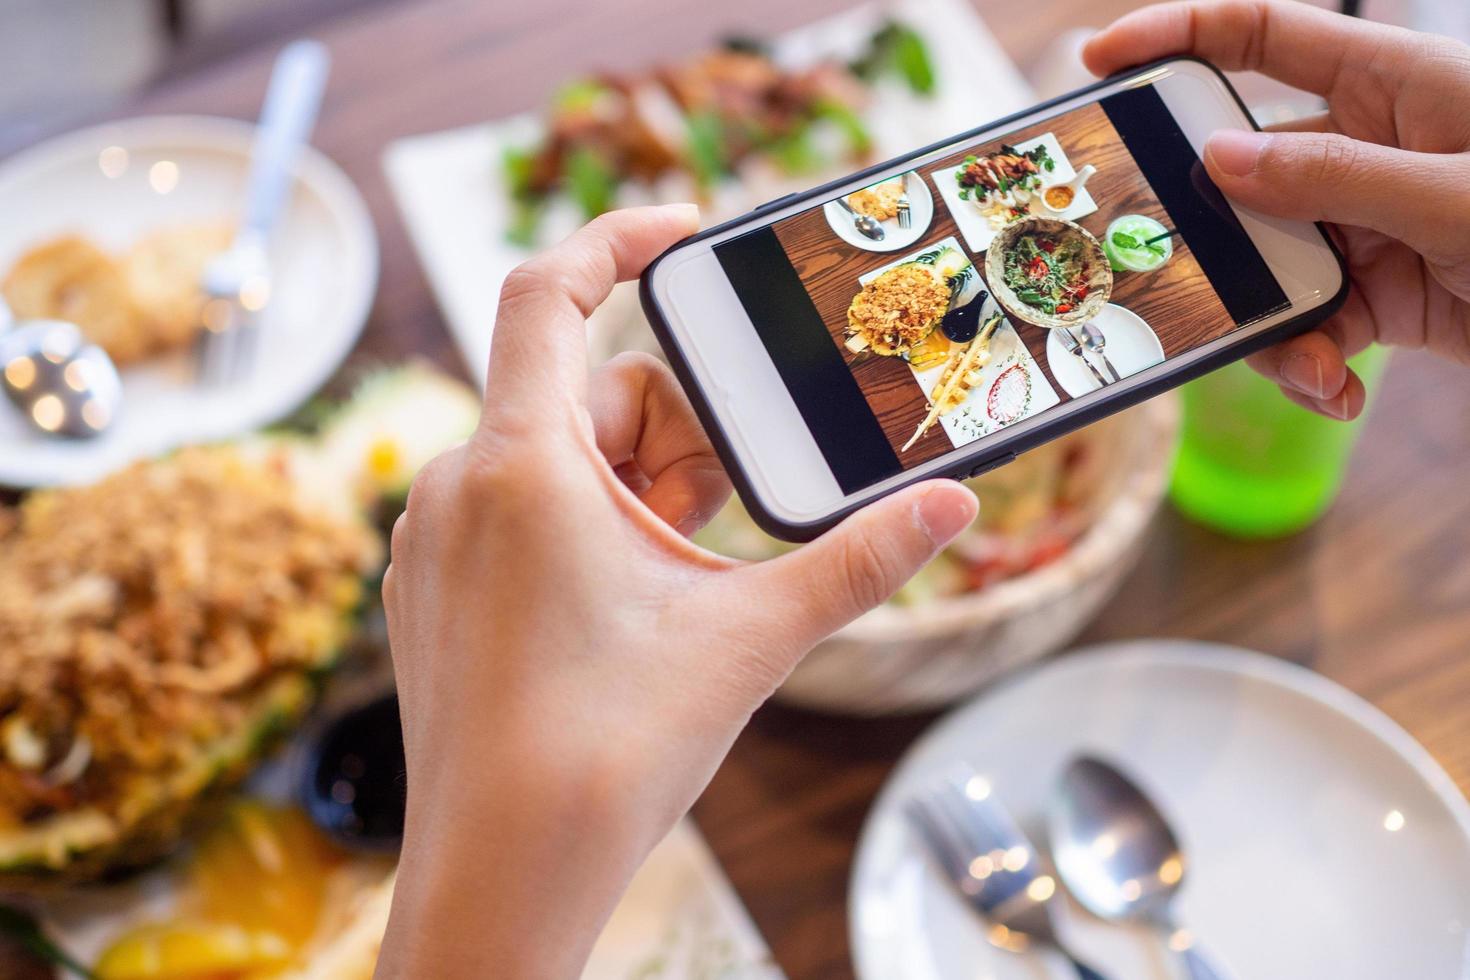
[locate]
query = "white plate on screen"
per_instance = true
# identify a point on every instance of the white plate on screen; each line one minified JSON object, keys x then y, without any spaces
{"x":324,"y":259}
{"x":1131,"y":346}
{"x":895,"y":237}
{"x":1322,"y":840}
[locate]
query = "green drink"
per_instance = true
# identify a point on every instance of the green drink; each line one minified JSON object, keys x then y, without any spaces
{"x":1252,"y":463}
{"x":1124,"y":244}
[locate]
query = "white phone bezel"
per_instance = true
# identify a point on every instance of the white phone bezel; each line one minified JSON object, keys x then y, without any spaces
{"x":778,"y":455}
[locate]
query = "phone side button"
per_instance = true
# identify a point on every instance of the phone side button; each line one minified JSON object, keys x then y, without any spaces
{"x":777,"y":202}
{"x":991,"y":464}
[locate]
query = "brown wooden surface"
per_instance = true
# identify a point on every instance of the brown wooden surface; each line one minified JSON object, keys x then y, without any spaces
{"x":1375,"y":596}
{"x":1176,"y":301}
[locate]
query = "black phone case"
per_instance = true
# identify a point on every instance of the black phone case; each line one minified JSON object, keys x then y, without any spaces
{"x":982,"y":459}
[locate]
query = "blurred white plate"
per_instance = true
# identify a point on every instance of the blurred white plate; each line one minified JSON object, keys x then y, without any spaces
{"x":895,"y":237}
{"x":1131,"y":347}
{"x":1322,"y":840}
{"x":324,"y":258}
{"x":450,"y":186}
{"x":977,"y":228}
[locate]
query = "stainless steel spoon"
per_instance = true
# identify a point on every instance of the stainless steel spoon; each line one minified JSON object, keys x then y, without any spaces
{"x":1096,"y":342}
{"x":866,"y":224}
{"x":63,"y":385}
{"x":1118,"y":856}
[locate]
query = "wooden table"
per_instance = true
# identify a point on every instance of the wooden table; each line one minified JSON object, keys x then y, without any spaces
{"x":1376,"y":596}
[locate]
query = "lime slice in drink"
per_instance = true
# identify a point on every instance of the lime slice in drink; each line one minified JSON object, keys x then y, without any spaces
{"x":1125,"y":248}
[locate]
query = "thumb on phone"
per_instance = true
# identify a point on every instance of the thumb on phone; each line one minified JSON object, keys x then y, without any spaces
{"x":1330,"y":177}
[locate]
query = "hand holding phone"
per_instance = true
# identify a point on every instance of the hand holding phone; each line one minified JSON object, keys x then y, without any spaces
{"x":1388,"y":163}
{"x":939,"y":313}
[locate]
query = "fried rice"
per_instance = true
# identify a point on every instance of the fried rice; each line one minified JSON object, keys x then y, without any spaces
{"x":897,"y":309}
{"x":142,"y":617}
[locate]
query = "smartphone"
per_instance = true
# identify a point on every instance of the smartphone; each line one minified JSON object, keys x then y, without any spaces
{"x":937,"y":314}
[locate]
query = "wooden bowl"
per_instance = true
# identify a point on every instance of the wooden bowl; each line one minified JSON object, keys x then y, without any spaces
{"x":917,"y":658}
{"x":1099,"y":273}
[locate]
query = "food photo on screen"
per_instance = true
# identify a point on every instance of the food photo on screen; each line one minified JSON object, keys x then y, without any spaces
{"x":1032,"y":268}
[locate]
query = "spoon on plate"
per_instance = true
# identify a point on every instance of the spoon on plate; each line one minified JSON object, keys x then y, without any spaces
{"x":1117,"y":855}
{"x":1093,"y":340}
{"x":62,"y":384}
{"x":866,"y":224}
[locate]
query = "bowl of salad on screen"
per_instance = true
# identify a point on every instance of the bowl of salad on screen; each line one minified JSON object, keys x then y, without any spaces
{"x":1059,"y":529}
{"x":1048,"y":272}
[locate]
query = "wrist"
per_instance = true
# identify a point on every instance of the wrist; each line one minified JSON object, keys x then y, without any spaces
{"x":513,"y":859}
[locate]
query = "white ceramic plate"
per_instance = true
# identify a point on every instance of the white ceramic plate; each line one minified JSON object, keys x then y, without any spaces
{"x":976,"y":227}
{"x":451,"y":190}
{"x":895,"y":237}
{"x":1131,"y":347}
{"x":1323,"y":842}
{"x":324,"y":258}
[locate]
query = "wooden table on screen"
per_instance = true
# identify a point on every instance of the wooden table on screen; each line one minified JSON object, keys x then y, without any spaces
{"x":1375,"y":596}
{"x":1177,"y":300}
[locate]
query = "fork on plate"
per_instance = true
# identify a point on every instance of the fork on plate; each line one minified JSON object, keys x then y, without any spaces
{"x":991,"y":863}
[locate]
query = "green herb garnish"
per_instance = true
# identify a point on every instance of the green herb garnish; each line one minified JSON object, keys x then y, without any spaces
{"x":706,"y":145}
{"x":1127,"y":242}
{"x":591,"y":182}
{"x":26,"y":933}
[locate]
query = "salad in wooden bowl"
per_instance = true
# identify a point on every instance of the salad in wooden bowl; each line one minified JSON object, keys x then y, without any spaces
{"x":1048,"y":272}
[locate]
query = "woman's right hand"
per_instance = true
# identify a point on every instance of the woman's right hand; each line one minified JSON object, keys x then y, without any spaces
{"x":1388,"y":165}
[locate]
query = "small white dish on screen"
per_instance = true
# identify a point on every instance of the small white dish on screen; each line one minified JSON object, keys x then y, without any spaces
{"x":1131,"y":346}
{"x":895,"y":237}
{"x":1321,"y":840}
{"x":115,"y":182}
{"x":978,"y":228}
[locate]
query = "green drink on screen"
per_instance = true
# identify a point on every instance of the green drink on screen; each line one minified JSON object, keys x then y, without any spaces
{"x":1137,"y":243}
{"x":1252,"y":463}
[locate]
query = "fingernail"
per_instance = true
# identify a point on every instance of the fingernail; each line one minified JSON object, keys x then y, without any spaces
{"x":945,"y":513}
{"x":687,"y":212}
{"x":1235,"y":151}
{"x":1304,"y":373}
{"x":1339,"y":406}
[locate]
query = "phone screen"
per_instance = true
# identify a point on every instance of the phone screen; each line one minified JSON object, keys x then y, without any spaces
{"x":881,"y":316}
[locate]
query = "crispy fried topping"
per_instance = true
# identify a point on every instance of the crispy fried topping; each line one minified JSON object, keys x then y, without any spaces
{"x":139,"y":615}
{"x":898,"y":309}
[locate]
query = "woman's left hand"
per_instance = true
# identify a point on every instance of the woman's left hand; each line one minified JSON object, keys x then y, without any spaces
{"x":571,"y":669}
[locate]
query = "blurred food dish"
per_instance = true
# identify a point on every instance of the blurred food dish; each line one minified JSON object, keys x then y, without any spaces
{"x":157,"y":629}
{"x":458,"y":200}
{"x":109,"y":226}
{"x":264,"y":894}
{"x":1058,"y":530}
{"x":144,"y":302}
{"x":695,"y":121}
{"x":1288,"y":793}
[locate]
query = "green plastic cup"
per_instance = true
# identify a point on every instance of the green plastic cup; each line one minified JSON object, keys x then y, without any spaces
{"x":1137,"y":228}
{"x":1254,"y":465}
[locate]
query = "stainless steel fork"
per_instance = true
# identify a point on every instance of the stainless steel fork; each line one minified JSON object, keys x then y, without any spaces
{"x":991,"y":863}
{"x":237,"y":282}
